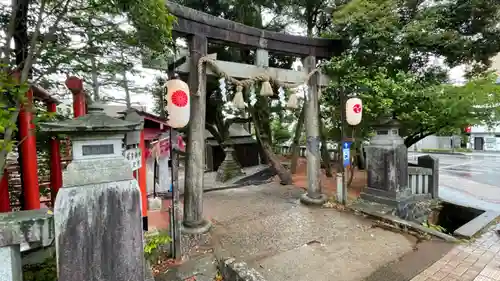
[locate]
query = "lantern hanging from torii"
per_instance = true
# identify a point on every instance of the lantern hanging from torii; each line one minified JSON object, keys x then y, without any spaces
{"x":178,"y":103}
{"x":354,"y":111}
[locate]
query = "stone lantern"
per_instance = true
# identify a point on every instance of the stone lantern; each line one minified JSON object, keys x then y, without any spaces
{"x":97,"y":212}
{"x":387,"y":166}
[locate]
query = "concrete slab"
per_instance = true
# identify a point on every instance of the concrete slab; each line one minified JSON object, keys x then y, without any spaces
{"x":411,"y":264}
{"x":267,"y":227}
{"x":470,"y":229}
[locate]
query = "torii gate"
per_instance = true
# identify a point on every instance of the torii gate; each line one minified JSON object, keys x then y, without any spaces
{"x":200,"y":28}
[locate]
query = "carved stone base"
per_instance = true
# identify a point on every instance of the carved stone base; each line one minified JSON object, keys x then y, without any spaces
{"x":410,"y":207}
{"x":307,"y":200}
{"x":200,"y":228}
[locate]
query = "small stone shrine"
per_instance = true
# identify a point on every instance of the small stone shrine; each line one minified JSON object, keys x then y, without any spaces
{"x":97,"y":211}
{"x":387,"y":167}
{"x":229,"y":168}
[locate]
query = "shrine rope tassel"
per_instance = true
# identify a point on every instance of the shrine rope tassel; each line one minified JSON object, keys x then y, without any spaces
{"x":266,"y":88}
{"x":238,"y":100}
{"x":293,"y":102}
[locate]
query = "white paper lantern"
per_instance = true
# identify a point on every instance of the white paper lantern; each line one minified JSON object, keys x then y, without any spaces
{"x":354,"y":111}
{"x":178,"y":104}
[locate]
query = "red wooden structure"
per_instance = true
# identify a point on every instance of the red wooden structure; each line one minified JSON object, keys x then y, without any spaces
{"x":154,"y":126}
{"x":28,"y":152}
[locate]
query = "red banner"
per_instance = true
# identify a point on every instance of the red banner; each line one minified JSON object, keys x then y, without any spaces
{"x":162,"y":147}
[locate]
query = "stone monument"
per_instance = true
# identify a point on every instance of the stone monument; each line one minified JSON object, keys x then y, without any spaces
{"x":97,"y":211}
{"x":22,"y":231}
{"x":387,"y":167}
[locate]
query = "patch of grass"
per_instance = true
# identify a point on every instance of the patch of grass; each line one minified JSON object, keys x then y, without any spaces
{"x":440,"y":150}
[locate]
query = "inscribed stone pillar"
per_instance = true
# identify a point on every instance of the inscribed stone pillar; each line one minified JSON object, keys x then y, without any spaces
{"x":194,"y":222}
{"x":313,"y":195}
{"x":387,"y":167}
{"x":98,"y":210}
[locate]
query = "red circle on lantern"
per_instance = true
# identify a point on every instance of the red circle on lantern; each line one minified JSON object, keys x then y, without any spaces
{"x":179,"y":98}
{"x":356,"y":108}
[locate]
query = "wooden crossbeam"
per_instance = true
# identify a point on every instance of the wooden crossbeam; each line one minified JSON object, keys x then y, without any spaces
{"x":190,"y":21}
{"x":246,"y":71}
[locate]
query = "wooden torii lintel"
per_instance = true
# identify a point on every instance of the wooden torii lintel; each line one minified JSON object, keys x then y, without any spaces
{"x":246,"y":71}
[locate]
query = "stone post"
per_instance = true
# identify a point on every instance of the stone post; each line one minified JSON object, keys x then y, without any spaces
{"x":194,"y":223}
{"x":387,"y":167}
{"x":313,"y":195}
{"x":428,"y":161}
{"x":97,"y":211}
{"x":23,"y":230}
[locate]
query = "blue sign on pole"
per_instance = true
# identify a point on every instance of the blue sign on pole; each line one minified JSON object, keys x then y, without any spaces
{"x":346,"y":152}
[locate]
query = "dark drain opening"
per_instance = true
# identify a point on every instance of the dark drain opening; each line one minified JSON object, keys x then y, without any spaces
{"x":451,"y":216}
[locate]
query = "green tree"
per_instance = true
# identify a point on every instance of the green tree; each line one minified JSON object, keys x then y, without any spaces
{"x":396,"y":41}
{"x":34,"y":32}
{"x":423,"y":107}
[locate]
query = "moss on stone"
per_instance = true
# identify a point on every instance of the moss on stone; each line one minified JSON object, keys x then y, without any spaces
{"x":45,"y":271}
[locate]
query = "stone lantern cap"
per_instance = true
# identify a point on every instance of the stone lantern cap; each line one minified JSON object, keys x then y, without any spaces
{"x":388,"y":123}
{"x":95,"y":121}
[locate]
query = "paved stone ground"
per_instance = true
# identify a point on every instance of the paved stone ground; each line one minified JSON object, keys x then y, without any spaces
{"x":267,"y":227}
{"x":477,"y":261}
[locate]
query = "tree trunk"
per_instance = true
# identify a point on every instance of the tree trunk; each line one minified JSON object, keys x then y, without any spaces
{"x":324,"y":151}
{"x":296,"y":140}
{"x":95,"y":81}
{"x":283,"y":173}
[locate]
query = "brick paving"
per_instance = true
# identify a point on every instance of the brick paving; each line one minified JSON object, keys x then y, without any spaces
{"x":476,"y":261}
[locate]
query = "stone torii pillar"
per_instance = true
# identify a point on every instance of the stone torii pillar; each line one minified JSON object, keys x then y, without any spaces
{"x":313,"y":194}
{"x":194,"y":223}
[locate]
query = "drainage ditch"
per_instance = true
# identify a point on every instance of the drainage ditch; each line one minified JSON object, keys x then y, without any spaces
{"x":451,"y":217}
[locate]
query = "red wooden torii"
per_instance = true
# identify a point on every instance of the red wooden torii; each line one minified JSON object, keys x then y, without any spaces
{"x":27,"y":151}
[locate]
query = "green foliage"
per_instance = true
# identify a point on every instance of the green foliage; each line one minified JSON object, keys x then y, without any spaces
{"x":154,"y":244}
{"x":391,"y":45}
{"x":423,"y":106}
{"x":46,"y":271}
{"x":434,"y":227}
{"x":158,"y":92}
{"x":12,"y":95}
{"x":281,"y":134}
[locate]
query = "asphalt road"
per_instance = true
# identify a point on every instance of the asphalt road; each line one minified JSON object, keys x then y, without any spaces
{"x":472,"y":179}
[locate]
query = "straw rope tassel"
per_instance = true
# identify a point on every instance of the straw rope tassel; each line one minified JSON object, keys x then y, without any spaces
{"x":292,"y":103}
{"x":266,"y":90}
{"x":238,"y":100}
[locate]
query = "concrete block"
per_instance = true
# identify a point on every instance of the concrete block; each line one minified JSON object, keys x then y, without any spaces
{"x":469,"y":229}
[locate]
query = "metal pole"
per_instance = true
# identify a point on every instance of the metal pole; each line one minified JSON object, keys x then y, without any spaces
{"x":176,"y":208}
{"x":343,"y":199}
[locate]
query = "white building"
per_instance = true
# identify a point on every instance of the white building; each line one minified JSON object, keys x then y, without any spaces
{"x":482,"y":137}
